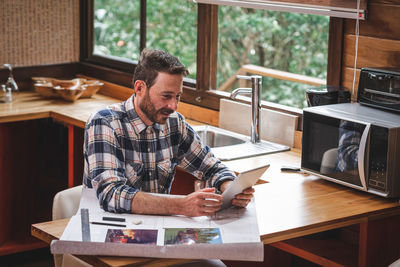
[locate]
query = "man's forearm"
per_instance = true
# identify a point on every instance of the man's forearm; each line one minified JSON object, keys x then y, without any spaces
{"x":160,"y":204}
{"x":200,"y":203}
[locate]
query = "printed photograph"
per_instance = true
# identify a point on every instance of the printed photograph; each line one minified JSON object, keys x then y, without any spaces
{"x":188,"y":236}
{"x":132,"y":236}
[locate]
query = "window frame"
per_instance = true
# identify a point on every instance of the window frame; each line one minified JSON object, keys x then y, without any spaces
{"x":200,"y":92}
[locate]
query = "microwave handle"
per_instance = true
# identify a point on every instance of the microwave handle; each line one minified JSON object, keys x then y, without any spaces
{"x":362,"y":154}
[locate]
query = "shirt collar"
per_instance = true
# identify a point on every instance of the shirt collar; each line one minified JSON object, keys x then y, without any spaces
{"x":138,"y":124}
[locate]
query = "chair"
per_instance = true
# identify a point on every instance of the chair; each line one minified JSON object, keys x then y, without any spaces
{"x":65,"y":205}
{"x":329,"y":160}
{"x":395,"y":264}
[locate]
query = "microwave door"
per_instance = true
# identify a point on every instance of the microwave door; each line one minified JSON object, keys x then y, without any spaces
{"x":336,"y":149}
{"x":363,"y":156}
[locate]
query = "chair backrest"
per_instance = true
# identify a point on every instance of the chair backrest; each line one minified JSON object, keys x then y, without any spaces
{"x":66,"y":202}
{"x":329,"y":160}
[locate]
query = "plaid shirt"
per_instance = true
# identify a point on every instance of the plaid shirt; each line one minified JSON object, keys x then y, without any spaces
{"x":123,"y":155}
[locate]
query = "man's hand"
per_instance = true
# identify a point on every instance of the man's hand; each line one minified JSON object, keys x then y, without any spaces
{"x":201,"y":203}
{"x":242,"y":199}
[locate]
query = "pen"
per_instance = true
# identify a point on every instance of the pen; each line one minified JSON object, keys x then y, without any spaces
{"x":114,"y":219}
{"x":108,"y":224}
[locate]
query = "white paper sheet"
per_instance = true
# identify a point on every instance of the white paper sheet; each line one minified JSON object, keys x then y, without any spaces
{"x":238,"y":228}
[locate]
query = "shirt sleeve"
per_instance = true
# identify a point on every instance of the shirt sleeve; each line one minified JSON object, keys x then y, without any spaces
{"x":200,"y":161}
{"x":104,"y":167}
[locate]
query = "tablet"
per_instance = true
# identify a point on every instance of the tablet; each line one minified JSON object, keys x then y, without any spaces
{"x":244,"y":180}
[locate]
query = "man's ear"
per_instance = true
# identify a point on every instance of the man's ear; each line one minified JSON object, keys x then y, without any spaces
{"x":140,"y":87}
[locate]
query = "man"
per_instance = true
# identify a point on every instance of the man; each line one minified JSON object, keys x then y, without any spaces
{"x":131,"y":149}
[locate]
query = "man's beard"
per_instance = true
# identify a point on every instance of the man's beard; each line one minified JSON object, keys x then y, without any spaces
{"x":151,"y":113}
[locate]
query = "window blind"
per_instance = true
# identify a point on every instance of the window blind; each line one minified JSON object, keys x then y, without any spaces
{"x":351,"y":9}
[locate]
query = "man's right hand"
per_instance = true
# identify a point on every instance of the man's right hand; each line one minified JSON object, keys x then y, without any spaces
{"x":204,"y":202}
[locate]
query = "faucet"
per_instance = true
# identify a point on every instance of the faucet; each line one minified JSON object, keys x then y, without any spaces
{"x":254,"y":91}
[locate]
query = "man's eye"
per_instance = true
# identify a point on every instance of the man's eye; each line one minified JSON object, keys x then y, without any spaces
{"x":166,"y":96}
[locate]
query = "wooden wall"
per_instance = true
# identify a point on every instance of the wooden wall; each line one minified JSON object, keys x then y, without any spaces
{"x":379,"y":40}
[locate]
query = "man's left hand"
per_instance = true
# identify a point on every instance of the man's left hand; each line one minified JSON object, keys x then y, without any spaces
{"x":242,"y":199}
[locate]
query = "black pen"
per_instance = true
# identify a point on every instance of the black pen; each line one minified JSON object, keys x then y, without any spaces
{"x":114,"y":219}
{"x":108,"y":224}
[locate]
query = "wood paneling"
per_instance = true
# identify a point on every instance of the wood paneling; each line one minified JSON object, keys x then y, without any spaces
{"x":335,"y":47}
{"x":347,"y":79}
{"x":378,"y":44}
{"x":372,"y":52}
{"x":392,"y":2}
{"x":107,"y":74}
{"x":381,"y":22}
{"x":200,"y":114}
{"x":207,"y":29}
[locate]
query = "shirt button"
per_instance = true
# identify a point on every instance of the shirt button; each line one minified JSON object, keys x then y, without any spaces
{"x":150,"y":174}
{"x":148,"y":149}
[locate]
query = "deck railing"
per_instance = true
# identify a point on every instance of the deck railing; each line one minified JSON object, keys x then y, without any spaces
{"x":267,"y":72}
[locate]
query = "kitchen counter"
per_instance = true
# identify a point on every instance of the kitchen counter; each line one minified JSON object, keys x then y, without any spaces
{"x":30,"y":106}
{"x":289,"y":205}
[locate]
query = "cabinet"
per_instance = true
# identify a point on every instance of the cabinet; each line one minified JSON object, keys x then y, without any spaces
{"x":33,"y":167}
{"x":370,"y":243}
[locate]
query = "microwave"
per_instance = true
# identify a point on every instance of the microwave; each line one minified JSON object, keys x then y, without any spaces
{"x":353,"y":145}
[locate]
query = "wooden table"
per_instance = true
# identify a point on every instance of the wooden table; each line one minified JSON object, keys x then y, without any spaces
{"x":291,"y":205}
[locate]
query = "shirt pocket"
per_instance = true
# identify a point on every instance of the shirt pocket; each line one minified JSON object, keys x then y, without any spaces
{"x":165,"y":172}
{"x":134,"y":173}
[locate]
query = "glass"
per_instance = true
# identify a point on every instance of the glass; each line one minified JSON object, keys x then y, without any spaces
{"x":11,"y":84}
{"x":5,"y":94}
{"x":252,"y":38}
{"x":117,"y":28}
{"x":172,"y":26}
{"x":330,"y":147}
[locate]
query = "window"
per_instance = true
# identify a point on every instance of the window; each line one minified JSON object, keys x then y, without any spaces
{"x":168,"y":25}
{"x":214,"y":42}
{"x":256,"y":41}
{"x":117,"y":28}
{"x":171,"y":26}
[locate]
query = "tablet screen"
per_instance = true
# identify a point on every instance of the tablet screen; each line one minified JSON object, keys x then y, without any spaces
{"x":244,"y":180}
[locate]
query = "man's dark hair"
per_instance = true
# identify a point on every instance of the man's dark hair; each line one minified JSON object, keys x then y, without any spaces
{"x":151,"y":62}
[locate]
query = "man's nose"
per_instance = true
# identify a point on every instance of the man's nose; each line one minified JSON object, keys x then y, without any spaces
{"x":173,"y":104}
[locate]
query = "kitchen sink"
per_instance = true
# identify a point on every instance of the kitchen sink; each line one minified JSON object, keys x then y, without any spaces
{"x":217,"y":138}
{"x":228,"y":145}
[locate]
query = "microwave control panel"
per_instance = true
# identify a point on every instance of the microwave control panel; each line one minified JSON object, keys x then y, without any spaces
{"x":378,"y":155}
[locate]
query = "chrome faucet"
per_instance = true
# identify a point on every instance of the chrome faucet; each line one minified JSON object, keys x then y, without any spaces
{"x":255,"y":92}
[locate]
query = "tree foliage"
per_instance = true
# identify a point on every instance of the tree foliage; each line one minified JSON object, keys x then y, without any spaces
{"x":291,"y":42}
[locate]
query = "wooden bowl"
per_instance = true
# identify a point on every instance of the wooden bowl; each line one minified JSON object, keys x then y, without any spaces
{"x":69,"y":94}
{"x":42,"y":79}
{"x":46,"y":90}
{"x":71,"y":84}
{"x":91,"y":87}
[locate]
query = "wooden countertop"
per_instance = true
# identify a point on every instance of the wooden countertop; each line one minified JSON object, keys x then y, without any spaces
{"x":288,"y":205}
{"x":30,"y":105}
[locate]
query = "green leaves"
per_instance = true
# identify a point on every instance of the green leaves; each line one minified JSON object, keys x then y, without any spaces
{"x":291,"y":42}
